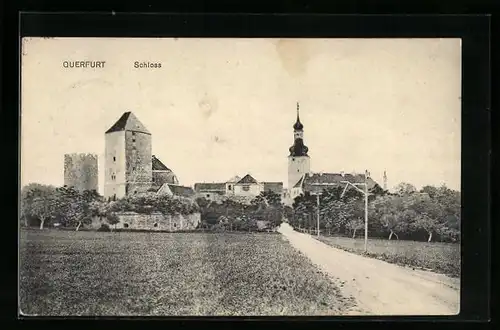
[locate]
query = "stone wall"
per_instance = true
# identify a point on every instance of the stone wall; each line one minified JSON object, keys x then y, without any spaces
{"x":138,"y":162}
{"x":154,"y":221}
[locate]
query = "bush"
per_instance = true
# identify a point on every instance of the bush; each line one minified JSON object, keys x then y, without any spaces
{"x":104,"y":227}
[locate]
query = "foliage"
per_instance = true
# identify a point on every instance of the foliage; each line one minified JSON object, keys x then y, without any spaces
{"x":432,"y":212}
{"x":234,"y":215}
{"x":405,"y":188}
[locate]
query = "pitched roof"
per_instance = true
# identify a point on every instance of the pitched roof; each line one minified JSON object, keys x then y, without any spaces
{"x":128,"y":122}
{"x":316,"y":182}
{"x":181,"y":190}
{"x":276,"y":187}
{"x":234,"y":179}
{"x":158,"y":165}
{"x":247,"y":179}
{"x":206,"y":186}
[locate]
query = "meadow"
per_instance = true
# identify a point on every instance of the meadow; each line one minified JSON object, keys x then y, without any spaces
{"x":439,"y":257}
{"x":66,"y":273}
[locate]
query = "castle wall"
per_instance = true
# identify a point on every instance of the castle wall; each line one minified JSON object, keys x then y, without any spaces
{"x":154,"y":221}
{"x":115,"y":170}
{"x":81,"y":171}
{"x":138,"y":161}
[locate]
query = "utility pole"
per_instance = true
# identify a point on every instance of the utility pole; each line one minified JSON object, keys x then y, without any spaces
{"x":365,"y":193}
{"x":317,"y":213}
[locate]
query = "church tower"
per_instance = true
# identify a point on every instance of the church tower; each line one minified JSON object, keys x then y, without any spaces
{"x":299,"y":162}
{"x":128,"y":158}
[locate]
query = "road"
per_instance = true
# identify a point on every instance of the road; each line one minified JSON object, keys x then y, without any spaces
{"x":380,"y":288}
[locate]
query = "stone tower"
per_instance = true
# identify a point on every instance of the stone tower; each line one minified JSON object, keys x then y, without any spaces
{"x":81,"y":171}
{"x":128,"y":158}
{"x":299,"y":162}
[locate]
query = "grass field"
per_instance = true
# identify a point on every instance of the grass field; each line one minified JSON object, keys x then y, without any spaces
{"x":101,"y":273}
{"x":439,"y":257}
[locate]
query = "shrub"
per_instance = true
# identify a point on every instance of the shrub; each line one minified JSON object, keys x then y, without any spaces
{"x":104,"y":227}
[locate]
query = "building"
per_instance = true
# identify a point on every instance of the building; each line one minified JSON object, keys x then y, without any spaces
{"x":247,"y":188}
{"x":299,"y":162}
{"x":128,"y":158}
{"x":176,"y":191}
{"x":315,"y":183}
{"x":162,"y":174}
{"x":130,"y":167}
{"x":300,"y":177}
{"x":81,"y":171}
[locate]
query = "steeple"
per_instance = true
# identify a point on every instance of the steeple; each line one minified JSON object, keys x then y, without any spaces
{"x":298,"y":148}
{"x":385,"y":180}
{"x":298,"y":125}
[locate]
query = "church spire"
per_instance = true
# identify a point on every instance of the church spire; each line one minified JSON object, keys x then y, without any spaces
{"x":298,"y":125}
{"x":298,"y":148}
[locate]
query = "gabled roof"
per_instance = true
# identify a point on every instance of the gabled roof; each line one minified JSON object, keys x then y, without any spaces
{"x":276,"y":187}
{"x":201,"y":187}
{"x":234,"y":179}
{"x":316,"y":182}
{"x":247,"y":179}
{"x":128,"y":122}
{"x":158,"y":165}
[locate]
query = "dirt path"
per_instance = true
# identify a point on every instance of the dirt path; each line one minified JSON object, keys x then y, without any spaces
{"x":380,"y":288}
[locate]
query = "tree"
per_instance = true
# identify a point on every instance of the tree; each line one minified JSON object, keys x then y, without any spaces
{"x":42,"y":205}
{"x":112,"y":218}
{"x":32,"y":196}
{"x":354,"y":225}
{"x":404,"y":189}
{"x":427,"y":223}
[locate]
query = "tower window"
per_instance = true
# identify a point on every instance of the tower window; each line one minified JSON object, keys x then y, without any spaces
{"x":229,"y":187}
{"x":297,"y":170}
{"x":133,"y":140}
{"x":133,"y":133}
{"x":114,"y":159}
{"x":293,"y":158}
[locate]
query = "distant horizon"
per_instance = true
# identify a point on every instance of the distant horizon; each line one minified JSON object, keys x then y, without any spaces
{"x":223,"y":107}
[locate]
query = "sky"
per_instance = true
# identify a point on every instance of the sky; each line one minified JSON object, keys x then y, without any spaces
{"x":223,"y":107}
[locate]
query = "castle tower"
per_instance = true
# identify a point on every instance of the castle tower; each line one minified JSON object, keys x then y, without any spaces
{"x":81,"y":171}
{"x":128,"y":158}
{"x":299,"y":162}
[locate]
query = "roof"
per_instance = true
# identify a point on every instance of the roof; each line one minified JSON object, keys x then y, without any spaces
{"x":158,"y":165}
{"x":298,"y":125}
{"x":247,"y":179}
{"x":316,"y":182}
{"x":234,"y":179}
{"x":276,"y":187}
{"x":209,"y":187}
{"x":181,"y":190}
{"x":298,"y":148}
{"x":128,"y":122}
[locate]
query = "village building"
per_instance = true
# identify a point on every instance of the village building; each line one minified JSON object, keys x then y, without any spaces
{"x":300,"y":177}
{"x":130,"y":166}
{"x":247,"y":188}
